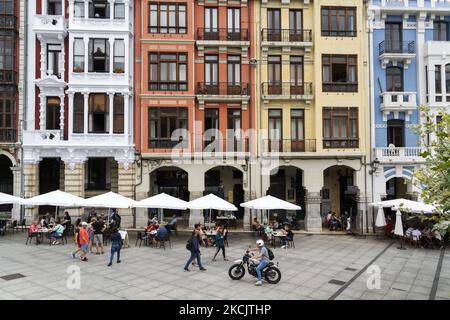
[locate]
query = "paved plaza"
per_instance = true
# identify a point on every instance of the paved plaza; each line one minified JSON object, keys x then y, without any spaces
{"x":153,"y":273}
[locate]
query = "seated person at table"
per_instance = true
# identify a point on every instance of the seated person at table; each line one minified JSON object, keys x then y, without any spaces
{"x":268,"y":230}
{"x":56,"y":233}
{"x":416,"y":234}
{"x":155,"y":219}
{"x":67,"y":220}
{"x":408,"y":232}
{"x":256,"y":225}
{"x":151,"y":226}
{"x":334,"y":223}
{"x":172,"y":225}
{"x":275,"y":224}
{"x":45,"y":222}
{"x":389,"y":227}
{"x":203,"y":236}
{"x":287,"y":236}
{"x":32,"y":231}
{"x":161,"y":233}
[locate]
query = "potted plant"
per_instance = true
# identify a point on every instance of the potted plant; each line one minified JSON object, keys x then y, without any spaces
{"x":78,"y":69}
{"x":118,"y":70}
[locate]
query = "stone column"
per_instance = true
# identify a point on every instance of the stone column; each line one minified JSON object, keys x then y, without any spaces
{"x":111,"y":9}
{"x":111,"y":112}
{"x":364,"y":219}
{"x":70,"y":96}
{"x":111,"y":55}
{"x":86,"y":10}
{"x":16,"y":191}
{"x":86,"y":49}
{"x":61,"y":116}
{"x":86,"y":112}
{"x":42,"y":105}
{"x":126,"y":112}
{"x":313,"y":221}
{"x":31,"y":188}
{"x":74,"y":183}
{"x":126,"y":189}
{"x":195,"y":216}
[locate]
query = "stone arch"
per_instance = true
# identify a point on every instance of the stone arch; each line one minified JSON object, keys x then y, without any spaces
{"x":287,"y":182}
{"x":227,"y":182}
{"x":339,"y":192}
{"x":9,"y":156}
{"x":393,"y":173}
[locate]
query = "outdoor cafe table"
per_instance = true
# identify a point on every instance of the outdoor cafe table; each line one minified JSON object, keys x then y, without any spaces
{"x":276,"y":235}
{"x":230,"y":221}
{"x":43,"y":232}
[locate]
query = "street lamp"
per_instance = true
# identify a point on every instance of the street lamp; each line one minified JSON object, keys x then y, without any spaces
{"x":374,"y":165}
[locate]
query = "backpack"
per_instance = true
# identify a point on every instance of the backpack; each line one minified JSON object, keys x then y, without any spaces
{"x":189,"y":245}
{"x":271,"y":255}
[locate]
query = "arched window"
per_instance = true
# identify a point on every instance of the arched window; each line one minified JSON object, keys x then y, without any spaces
{"x":394,"y":79}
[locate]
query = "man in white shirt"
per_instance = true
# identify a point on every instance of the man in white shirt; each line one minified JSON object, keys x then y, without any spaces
{"x":416,"y":234}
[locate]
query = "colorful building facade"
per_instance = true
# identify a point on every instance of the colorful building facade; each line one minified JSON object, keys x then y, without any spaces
{"x":78,"y":132}
{"x":12,"y":21}
{"x":193,"y":104}
{"x":313,"y":107}
{"x":408,"y":41}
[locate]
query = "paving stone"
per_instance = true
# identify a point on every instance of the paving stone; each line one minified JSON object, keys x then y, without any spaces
{"x":149,"y":273}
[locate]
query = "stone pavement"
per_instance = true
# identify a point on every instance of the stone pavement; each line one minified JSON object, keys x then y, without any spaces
{"x":150,"y":273}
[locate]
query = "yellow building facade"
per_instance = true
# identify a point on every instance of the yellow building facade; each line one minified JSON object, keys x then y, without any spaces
{"x":312,"y":105}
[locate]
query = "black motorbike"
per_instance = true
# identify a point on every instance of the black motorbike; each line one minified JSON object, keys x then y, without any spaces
{"x":270,"y":273}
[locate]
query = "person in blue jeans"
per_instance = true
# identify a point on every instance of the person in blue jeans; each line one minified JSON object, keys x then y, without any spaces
{"x":116,"y":246}
{"x":263,"y":260}
{"x":195,"y":251}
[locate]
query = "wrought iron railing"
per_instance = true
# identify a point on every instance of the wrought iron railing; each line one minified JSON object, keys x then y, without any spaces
{"x":286,"y":88}
{"x":222,"y":88}
{"x":222,"y":34}
{"x":287,"y":35}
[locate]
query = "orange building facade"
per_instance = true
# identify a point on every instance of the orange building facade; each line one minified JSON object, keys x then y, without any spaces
{"x":193,"y":108}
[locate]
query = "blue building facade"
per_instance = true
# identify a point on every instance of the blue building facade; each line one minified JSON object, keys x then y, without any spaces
{"x":408,"y":42}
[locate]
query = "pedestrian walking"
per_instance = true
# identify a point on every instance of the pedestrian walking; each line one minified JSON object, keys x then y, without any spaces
{"x":99,"y":227}
{"x":77,"y":238}
{"x":194,"y":247}
{"x":84,"y":241}
{"x":90,"y":230}
{"x":116,"y":245}
{"x":220,"y":243}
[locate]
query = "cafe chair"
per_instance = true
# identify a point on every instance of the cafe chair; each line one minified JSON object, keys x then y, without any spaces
{"x":141,"y":237}
{"x":162,"y":243}
{"x":30,"y":237}
{"x":290,"y":243}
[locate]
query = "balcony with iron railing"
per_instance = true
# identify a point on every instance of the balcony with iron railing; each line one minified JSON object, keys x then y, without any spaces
{"x":222,"y":34}
{"x":340,"y":86}
{"x":287,"y":90}
{"x":399,"y":154}
{"x":396,"y":51}
{"x":222,"y":89}
{"x":340,"y":143}
{"x":290,"y":37}
{"x":8,"y":21}
{"x":289,"y":145}
{"x":212,"y":145}
{"x":8,"y":135}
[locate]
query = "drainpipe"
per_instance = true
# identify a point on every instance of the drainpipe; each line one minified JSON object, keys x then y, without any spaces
{"x":371,"y":106}
{"x":24,"y":114}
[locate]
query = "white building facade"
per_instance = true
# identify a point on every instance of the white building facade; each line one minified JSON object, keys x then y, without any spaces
{"x":79,"y":132}
{"x":409,"y":43}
